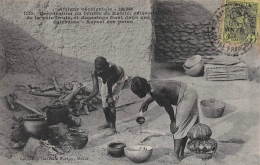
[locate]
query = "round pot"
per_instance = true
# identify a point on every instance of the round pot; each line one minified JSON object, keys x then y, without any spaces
{"x":36,"y":127}
{"x":76,"y":140}
{"x":196,"y":70}
{"x":138,"y":153}
{"x":116,"y":149}
{"x":192,"y":61}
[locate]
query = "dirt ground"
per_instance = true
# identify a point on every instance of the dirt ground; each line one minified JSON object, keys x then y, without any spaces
{"x":240,"y":120}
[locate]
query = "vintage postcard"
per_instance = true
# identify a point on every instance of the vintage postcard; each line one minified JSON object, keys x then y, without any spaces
{"x":124,"y":82}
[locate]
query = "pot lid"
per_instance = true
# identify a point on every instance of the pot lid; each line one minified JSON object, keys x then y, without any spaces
{"x":192,"y":61}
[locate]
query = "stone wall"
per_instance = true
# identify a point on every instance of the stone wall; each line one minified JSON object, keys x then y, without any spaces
{"x":41,"y":47}
{"x":181,"y":30}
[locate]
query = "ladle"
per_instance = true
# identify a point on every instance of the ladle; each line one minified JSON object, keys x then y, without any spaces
{"x":140,"y":120}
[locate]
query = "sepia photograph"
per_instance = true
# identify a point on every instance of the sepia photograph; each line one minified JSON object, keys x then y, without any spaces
{"x":119,"y":82}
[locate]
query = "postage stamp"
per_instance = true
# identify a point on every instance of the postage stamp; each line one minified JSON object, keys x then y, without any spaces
{"x":240,"y":22}
{"x":234,"y":27}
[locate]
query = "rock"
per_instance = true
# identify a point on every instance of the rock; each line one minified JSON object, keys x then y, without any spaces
{"x":18,"y":145}
{"x":190,"y":26}
{"x":208,"y":44}
{"x":183,"y":45}
{"x":185,"y":49}
{"x":189,"y":30}
{"x":58,"y":134}
{"x":19,"y":135}
{"x":42,"y":151}
{"x":198,"y":31}
{"x":184,"y":34}
{"x":193,"y":42}
{"x":31,"y":146}
{"x":184,"y":38}
{"x":169,"y":54}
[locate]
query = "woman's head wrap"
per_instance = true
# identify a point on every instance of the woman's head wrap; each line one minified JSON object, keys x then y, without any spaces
{"x":138,"y":84}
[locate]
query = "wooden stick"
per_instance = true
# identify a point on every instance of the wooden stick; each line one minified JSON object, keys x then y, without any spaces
{"x":86,"y":109}
{"x":55,"y":84}
{"x":45,"y":94}
{"x":9,"y":101}
{"x":71,"y":95}
{"x":92,"y":106}
{"x":49,"y":88}
{"x":27,"y":107}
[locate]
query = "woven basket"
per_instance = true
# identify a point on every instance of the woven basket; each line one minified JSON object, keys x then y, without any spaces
{"x":212,"y":108}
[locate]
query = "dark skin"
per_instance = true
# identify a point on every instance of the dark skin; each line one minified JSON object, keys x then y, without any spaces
{"x":110,"y":74}
{"x":165,"y":93}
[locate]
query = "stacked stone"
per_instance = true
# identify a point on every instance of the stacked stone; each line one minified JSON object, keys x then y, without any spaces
{"x":177,"y":42}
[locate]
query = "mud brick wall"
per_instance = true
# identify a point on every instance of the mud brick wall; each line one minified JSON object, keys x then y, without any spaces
{"x":181,"y":30}
{"x":68,"y":50}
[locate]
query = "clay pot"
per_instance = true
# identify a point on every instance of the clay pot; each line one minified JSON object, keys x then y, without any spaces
{"x":76,"y":140}
{"x":196,"y":70}
{"x":116,"y":149}
{"x":36,"y":127}
{"x":138,"y":153}
{"x":192,"y":61}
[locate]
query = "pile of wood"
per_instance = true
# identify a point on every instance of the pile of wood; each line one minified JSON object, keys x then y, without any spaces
{"x":72,"y":94}
{"x":221,"y":70}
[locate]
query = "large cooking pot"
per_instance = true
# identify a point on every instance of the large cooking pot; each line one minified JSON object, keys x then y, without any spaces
{"x":36,"y":126}
{"x":57,"y":114}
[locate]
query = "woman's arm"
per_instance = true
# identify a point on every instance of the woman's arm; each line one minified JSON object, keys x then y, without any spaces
{"x":145,"y":105}
{"x":95,"y":86}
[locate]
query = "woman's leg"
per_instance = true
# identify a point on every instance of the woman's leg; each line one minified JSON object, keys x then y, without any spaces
{"x":107,"y":114}
{"x":183,"y":145}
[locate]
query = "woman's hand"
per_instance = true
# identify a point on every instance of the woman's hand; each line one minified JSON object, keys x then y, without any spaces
{"x":110,"y":101}
{"x":173,"y":127}
{"x":144,"y":107}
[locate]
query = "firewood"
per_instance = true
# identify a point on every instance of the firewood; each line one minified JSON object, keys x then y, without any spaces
{"x":10,"y":101}
{"x":93,"y":106}
{"x":86,"y":109}
{"x":33,"y":86}
{"x":55,"y":84}
{"x":49,"y":88}
{"x":71,"y":95}
{"x":49,"y":94}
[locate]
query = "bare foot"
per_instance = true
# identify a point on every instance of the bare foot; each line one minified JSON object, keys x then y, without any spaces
{"x":110,"y":133}
{"x":105,"y":126}
{"x":181,"y":157}
{"x":169,"y":160}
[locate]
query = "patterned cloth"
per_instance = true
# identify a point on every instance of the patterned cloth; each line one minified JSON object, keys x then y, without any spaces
{"x":187,"y":113}
{"x":116,"y":88}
